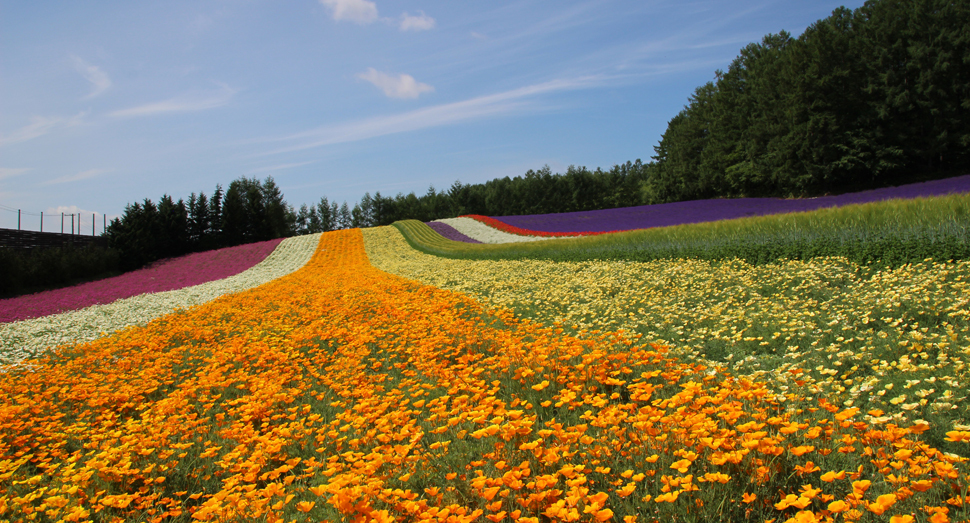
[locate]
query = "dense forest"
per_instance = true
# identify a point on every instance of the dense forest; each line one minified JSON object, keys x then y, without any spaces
{"x":862,"y":99}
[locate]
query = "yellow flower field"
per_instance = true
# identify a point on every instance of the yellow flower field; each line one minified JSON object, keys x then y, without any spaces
{"x":341,"y":392}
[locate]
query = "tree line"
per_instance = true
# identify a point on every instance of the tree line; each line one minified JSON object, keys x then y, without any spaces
{"x":536,"y":192}
{"x":250,"y":210}
{"x":862,"y":99}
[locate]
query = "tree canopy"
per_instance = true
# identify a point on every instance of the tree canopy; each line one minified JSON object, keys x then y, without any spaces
{"x":861,"y":99}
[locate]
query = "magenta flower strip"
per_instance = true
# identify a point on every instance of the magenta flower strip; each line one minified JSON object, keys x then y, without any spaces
{"x":165,"y":275}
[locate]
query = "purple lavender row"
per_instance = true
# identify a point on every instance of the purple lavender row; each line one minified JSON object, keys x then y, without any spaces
{"x":450,"y":232}
{"x":166,"y":275}
{"x":697,"y":211}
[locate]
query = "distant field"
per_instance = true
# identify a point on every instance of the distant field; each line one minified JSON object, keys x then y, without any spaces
{"x":890,"y":232}
{"x":699,"y":211}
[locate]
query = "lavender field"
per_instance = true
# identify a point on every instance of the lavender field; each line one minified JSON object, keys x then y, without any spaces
{"x":166,"y":275}
{"x":698,"y":211}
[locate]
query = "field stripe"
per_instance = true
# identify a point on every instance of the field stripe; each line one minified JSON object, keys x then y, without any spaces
{"x":23,"y":339}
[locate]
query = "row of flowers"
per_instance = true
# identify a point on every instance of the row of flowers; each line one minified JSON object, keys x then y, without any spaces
{"x":483,"y":233}
{"x":23,"y":339}
{"x":341,"y":392}
{"x":512,"y":229}
{"x":167,"y":275}
{"x":894,"y":341}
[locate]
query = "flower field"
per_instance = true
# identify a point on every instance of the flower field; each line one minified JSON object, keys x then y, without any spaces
{"x":26,"y":338}
{"x":342,"y":392}
{"x":894,"y":340}
{"x":699,"y":211}
{"x":178,"y":273}
{"x":483,"y":233}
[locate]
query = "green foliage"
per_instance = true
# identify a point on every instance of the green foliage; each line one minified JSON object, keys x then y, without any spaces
{"x":888,"y":233}
{"x":860,"y":100}
{"x":248,"y":211}
{"x":31,"y":270}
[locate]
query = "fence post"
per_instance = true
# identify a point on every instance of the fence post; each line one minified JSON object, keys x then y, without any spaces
{"x":72,"y":224}
{"x":104,"y":228}
{"x":41,"y":221}
{"x":18,"y":219}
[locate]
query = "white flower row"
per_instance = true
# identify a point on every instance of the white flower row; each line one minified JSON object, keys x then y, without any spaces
{"x":477,"y":230}
{"x":28,"y":338}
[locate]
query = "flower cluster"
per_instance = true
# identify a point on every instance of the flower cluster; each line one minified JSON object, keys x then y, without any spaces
{"x":341,"y":392}
{"x":23,"y":339}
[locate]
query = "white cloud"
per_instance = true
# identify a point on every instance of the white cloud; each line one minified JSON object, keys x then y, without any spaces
{"x":39,"y":126}
{"x":421,"y":22}
{"x":279,"y":167}
{"x":508,"y":102}
{"x":68,"y":209}
{"x":83,"y":175}
{"x":92,"y":73}
{"x":360,"y":11}
{"x":400,"y":86}
{"x":185,"y":103}
{"x":7,"y":172}
{"x":83,"y":223}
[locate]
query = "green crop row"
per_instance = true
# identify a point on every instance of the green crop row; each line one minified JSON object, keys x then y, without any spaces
{"x":889,"y":233}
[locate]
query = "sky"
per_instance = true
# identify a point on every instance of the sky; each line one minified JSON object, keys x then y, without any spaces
{"x":107,"y":103}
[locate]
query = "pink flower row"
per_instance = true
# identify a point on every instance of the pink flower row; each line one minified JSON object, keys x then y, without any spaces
{"x":166,"y":275}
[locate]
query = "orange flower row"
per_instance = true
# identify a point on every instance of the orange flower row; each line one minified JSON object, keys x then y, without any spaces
{"x":342,"y":392}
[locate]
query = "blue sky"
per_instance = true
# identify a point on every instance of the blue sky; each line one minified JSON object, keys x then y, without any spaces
{"x":110,"y":102}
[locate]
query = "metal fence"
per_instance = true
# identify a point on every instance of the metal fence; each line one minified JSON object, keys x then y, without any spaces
{"x":14,"y":239}
{"x":67,"y":223}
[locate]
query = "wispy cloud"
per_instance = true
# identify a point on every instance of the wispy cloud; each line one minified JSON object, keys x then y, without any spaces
{"x":280,"y":167}
{"x":400,"y":86}
{"x":507,"y":102}
{"x":419,"y":22}
{"x":92,"y":73}
{"x":7,"y":172}
{"x":39,"y":126}
{"x":83,"y":175}
{"x":69,"y":209}
{"x":184,"y":103}
{"x":359,"y":11}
